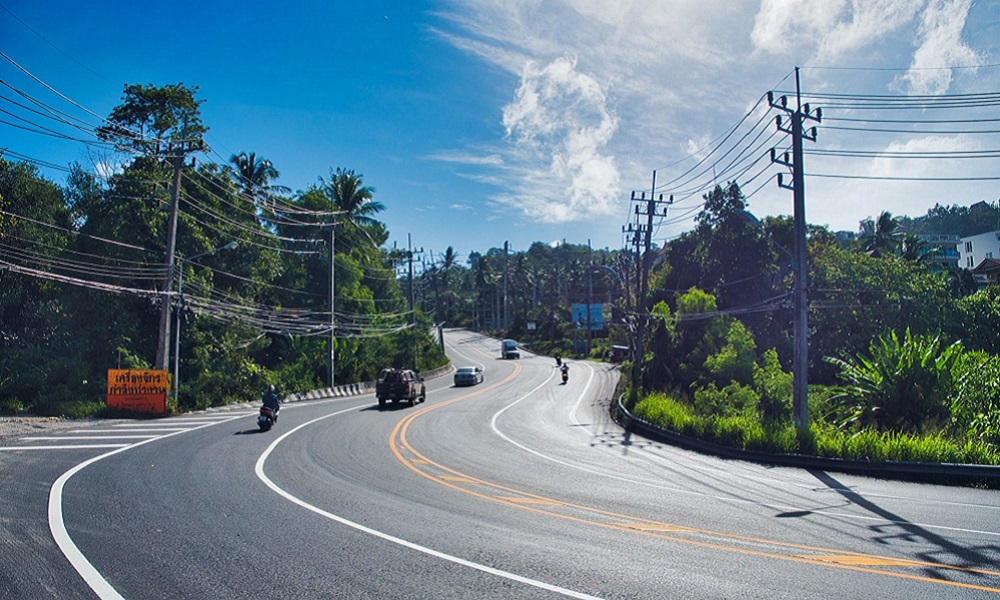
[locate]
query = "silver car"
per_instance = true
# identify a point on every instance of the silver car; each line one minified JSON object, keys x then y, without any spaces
{"x":468,"y":376}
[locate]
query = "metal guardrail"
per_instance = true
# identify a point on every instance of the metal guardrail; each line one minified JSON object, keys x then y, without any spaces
{"x":913,"y":471}
{"x":358,"y":389}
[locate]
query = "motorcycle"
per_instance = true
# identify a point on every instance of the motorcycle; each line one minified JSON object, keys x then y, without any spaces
{"x":565,"y":374}
{"x":267,"y":418}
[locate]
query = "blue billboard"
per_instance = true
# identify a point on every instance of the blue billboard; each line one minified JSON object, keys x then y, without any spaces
{"x":579,"y":313}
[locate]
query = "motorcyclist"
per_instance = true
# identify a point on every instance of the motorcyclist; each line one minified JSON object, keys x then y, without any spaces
{"x":558,"y":360}
{"x":272,"y":401}
{"x":565,"y":371}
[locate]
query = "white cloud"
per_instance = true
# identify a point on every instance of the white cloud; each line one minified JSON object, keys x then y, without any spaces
{"x":831,"y":28}
{"x":940,"y":45}
{"x":559,"y":126}
{"x":467,"y":158}
{"x":782,"y":25}
{"x":609,"y":90}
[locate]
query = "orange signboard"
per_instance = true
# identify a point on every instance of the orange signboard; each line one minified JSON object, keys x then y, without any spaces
{"x":138,"y":389}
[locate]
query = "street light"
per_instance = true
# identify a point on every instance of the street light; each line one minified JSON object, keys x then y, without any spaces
{"x":180,"y":300}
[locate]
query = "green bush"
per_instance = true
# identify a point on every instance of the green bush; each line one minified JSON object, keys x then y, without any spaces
{"x":975,"y":409}
{"x":902,"y":385}
{"x":735,"y":360}
{"x":732,"y":400}
{"x":666,"y":412}
{"x":775,"y":388}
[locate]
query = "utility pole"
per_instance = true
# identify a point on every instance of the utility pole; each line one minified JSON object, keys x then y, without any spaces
{"x":800,"y":364}
{"x":331,"y":359}
{"x":506,"y":310}
{"x":434,"y":283}
{"x":409,"y":255}
{"x":590,"y":292}
{"x":645,"y":232}
{"x":176,"y":153}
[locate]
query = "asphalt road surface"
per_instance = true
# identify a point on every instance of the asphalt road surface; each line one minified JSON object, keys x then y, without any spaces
{"x":519,"y":487}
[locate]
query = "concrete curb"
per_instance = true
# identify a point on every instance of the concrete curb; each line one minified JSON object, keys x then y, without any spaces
{"x":911,"y":471}
{"x":357,"y":389}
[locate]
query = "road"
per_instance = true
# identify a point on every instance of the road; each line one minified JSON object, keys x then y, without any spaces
{"x":519,"y":487}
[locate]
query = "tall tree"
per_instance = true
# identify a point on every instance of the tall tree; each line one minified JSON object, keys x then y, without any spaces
{"x":150,"y":117}
{"x":353,"y":200}
{"x":252,"y":174}
{"x":881,"y":237}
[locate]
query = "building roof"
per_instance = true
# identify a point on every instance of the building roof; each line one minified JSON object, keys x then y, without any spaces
{"x":989,"y":266}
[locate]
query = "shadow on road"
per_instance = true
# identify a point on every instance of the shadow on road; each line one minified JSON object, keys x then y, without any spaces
{"x":248,"y":431}
{"x":899,"y":529}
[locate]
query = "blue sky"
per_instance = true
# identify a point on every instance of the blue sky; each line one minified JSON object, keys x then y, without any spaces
{"x":480,"y":121}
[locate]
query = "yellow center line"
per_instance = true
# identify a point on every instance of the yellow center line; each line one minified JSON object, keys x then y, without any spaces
{"x":494,"y":492}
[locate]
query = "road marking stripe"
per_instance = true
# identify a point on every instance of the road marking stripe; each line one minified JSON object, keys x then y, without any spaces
{"x":259,"y":470}
{"x":402,"y":427}
{"x":523,"y":500}
{"x":67,"y":447}
{"x":872,"y":561}
{"x":88,"y":437}
{"x":57,"y":526}
{"x":75,"y":432}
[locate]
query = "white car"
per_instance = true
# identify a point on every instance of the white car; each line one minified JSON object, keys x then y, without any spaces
{"x":468,"y":376}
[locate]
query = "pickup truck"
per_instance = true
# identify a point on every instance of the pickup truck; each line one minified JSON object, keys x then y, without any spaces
{"x":400,"y":385}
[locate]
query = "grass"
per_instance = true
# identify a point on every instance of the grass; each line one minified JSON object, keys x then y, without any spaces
{"x":748,"y":433}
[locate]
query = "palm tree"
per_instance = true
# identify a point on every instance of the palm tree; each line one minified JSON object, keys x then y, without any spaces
{"x":882,"y":236}
{"x":354,"y":202}
{"x":915,"y":249}
{"x":254,"y":175}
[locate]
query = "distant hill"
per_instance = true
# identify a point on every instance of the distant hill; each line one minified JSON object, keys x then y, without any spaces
{"x":963,"y":221}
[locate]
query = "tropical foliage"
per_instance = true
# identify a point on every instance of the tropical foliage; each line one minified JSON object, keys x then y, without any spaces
{"x":900,"y":356}
{"x":86,"y":260}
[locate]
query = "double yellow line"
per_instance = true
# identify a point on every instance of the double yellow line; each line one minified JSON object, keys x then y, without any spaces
{"x":500,"y":494}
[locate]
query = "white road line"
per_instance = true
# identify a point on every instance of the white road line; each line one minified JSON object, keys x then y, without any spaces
{"x":91,"y":576}
{"x":150,"y":426}
{"x":136,"y":430}
{"x":657,"y":485}
{"x":73,"y":447}
{"x":259,"y":469}
{"x":88,"y":437}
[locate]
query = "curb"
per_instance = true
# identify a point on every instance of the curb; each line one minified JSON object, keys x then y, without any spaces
{"x":357,"y":389}
{"x":911,"y":471}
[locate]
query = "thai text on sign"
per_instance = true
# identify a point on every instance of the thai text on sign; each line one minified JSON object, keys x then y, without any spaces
{"x":138,"y":389}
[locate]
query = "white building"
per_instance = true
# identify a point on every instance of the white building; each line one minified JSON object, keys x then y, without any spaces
{"x":975,"y":249}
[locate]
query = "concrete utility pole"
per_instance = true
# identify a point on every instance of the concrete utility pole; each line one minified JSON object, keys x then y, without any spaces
{"x":176,"y":153}
{"x":331,"y":360}
{"x":506,"y":311}
{"x":409,"y":254}
{"x":644,"y":234}
{"x":800,"y":364}
{"x":590,"y":292}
